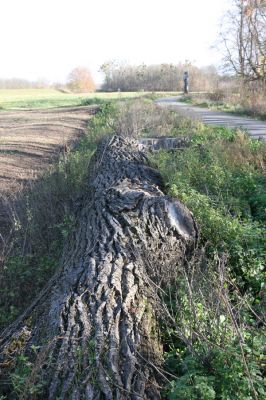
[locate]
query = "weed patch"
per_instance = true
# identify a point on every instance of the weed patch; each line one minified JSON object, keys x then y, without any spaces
{"x":216,"y":306}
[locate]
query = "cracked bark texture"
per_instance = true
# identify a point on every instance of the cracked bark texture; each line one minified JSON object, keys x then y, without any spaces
{"x":95,"y":324}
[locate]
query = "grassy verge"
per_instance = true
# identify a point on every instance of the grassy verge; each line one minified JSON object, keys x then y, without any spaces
{"x":234,"y":108}
{"x":212,"y":335}
{"x":214,"y":346}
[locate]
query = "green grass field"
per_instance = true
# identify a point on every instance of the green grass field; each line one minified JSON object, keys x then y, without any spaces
{"x":48,"y":98}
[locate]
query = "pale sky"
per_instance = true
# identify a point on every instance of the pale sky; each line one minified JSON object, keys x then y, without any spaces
{"x":48,"y":38}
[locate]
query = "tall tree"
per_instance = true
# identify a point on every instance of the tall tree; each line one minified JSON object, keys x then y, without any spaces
{"x":244,"y":39}
{"x":80,"y":80}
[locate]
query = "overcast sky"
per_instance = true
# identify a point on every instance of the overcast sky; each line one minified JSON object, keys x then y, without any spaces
{"x":48,"y":38}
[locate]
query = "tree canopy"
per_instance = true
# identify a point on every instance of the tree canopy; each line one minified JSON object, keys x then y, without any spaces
{"x":80,"y":80}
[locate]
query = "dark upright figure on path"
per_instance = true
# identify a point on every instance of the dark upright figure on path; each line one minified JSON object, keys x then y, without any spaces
{"x":186,"y":82}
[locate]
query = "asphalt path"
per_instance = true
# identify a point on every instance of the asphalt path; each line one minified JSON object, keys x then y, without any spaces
{"x":255,"y":128}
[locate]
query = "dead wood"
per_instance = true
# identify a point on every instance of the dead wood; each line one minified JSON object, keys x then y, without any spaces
{"x":93,"y":331}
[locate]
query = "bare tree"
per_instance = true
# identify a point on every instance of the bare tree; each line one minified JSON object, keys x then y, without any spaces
{"x":244,"y":39}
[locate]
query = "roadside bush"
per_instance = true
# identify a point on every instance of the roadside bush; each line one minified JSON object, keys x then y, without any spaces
{"x":235,"y":96}
{"x":253,"y":98}
{"x":217,"y":95}
{"x":141,"y":117}
{"x":212,"y":342}
{"x":215,"y":308}
{"x":218,"y":181}
{"x":92,"y":101}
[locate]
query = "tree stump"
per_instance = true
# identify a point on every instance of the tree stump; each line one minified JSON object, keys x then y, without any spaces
{"x":93,"y":331}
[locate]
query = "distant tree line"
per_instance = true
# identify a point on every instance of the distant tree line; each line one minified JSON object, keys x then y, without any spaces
{"x":118,"y":76}
{"x":18,"y":83}
{"x":79,"y":80}
{"x":163,"y":77}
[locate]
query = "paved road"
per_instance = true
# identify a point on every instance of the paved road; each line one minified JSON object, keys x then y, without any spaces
{"x":255,"y":128}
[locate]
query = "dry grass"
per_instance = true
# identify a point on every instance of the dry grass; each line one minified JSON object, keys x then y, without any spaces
{"x":236,"y":97}
{"x":141,"y":117}
{"x":241,"y":153}
{"x":246,"y":98}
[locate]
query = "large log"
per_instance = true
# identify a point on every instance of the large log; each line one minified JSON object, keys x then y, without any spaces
{"x":93,"y":331}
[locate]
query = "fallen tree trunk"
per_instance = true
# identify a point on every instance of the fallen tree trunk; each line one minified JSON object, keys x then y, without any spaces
{"x":93,"y":331}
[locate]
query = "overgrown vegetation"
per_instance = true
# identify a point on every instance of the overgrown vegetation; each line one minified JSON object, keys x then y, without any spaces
{"x":162,"y":77}
{"x":234,"y":96}
{"x":214,"y":344}
{"x":213,"y":309}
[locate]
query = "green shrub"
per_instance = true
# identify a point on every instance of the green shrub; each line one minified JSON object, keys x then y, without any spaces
{"x":220,"y":377}
{"x":225,"y":189}
{"x":213,"y":342}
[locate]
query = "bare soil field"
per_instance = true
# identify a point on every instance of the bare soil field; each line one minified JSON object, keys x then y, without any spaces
{"x":31,"y":141}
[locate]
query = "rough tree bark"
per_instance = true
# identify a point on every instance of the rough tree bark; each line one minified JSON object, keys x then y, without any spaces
{"x":93,"y":331}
